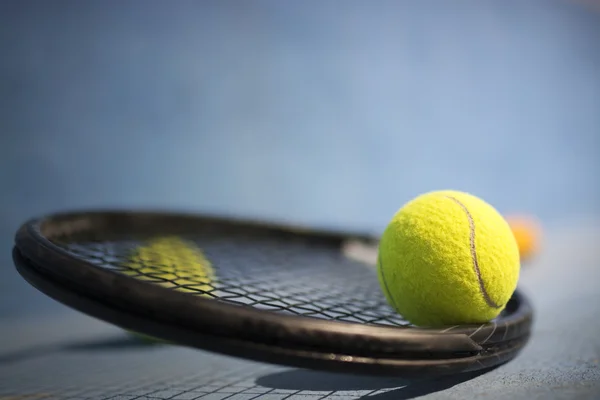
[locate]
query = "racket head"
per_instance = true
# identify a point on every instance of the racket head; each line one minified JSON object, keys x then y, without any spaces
{"x":263,"y":292}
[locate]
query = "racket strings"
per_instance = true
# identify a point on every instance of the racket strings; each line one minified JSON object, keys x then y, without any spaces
{"x":286,"y":276}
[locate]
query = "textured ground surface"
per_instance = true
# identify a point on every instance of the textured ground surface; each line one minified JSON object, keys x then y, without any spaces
{"x":81,"y":358}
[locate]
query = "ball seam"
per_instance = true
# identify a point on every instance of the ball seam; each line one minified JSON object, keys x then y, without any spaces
{"x":387,"y":289}
{"x":484,"y":292}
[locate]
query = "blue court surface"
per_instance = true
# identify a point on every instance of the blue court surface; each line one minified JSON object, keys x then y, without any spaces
{"x":320,"y":114}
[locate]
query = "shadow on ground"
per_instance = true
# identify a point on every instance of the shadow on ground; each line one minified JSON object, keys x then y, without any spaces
{"x":112,"y":343}
{"x":298,"y":379}
{"x":120,"y":342}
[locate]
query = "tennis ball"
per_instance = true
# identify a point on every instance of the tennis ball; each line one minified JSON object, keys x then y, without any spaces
{"x":448,"y":258}
{"x":174,"y":263}
{"x":527,"y":234}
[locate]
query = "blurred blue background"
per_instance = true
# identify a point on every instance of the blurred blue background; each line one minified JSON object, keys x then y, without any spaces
{"x":327,"y":114}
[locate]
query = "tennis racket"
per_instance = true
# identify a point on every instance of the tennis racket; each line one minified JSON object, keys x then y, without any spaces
{"x":252,"y":290}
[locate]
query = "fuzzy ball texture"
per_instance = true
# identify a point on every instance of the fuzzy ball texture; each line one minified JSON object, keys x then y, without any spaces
{"x":448,"y":258}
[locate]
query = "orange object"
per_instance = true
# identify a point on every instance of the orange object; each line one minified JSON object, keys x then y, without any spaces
{"x":527,"y":232}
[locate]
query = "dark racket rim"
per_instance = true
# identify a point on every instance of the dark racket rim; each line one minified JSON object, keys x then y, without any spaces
{"x":248,"y":332}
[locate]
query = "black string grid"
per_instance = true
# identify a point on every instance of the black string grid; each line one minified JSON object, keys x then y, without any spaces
{"x":291,"y":275}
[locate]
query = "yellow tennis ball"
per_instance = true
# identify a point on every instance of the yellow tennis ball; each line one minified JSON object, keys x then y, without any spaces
{"x":448,"y":258}
{"x":527,"y":233}
{"x":174,"y":263}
